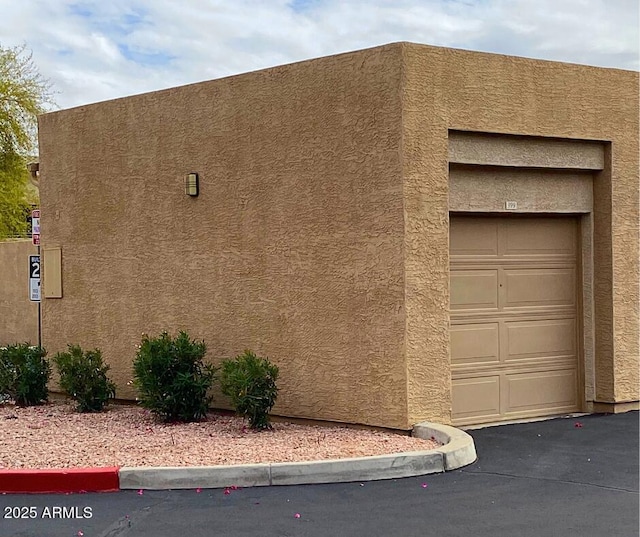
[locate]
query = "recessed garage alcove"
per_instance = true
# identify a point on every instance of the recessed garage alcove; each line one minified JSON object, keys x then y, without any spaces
{"x":521,"y":275}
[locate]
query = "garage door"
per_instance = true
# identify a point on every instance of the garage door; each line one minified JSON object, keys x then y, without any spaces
{"x":514,"y":333}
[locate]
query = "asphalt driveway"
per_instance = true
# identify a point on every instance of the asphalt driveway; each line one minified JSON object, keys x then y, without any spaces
{"x":562,"y":477}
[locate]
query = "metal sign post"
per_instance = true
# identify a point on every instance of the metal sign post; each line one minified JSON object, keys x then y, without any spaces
{"x":35,"y":289}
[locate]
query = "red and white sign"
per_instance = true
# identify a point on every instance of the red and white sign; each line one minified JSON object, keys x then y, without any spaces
{"x":35,"y":227}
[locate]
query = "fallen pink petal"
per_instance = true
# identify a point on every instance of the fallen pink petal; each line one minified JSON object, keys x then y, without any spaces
{"x":198,"y":490}
{"x":424,"y":485}
{"x":297,"y":515}
{"x":140,"y":492}
{"x":80,"y":533}
{"x":227,"y":491}
{"x":578,"y":424}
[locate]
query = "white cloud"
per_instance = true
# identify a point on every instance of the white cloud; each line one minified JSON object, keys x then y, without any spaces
{"x":93,"y":50}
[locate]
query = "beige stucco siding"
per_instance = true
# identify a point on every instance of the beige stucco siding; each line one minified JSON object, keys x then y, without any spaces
{"x":321,"y":234}
{"x":18,"y":315}
{"x":293,"y":248}
{"x":485,"y":189}
{"x":447,"y":89}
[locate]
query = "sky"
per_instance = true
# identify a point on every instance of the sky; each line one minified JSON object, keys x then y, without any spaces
{"x":93,"y":50}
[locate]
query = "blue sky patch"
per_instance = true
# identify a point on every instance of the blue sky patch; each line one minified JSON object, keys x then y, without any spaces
{"x":145,"y":58}
{"x":302,"y":5}
{"x":122,"y":25}
{"x":133,"y":18}
{"x":81,"y":10}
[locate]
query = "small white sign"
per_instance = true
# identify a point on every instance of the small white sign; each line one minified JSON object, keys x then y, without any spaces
{"x":34,"y":289}
{"x":510,"y":205}
{"x":35,"y":225}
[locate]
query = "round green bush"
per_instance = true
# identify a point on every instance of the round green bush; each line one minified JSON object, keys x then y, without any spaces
{"x":24,"y":374}
{"x":83,"y":377}
{"x":172,"y":380}
{"x":250,"y":382}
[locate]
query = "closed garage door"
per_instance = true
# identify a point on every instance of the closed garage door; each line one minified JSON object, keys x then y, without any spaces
{"x":514,"y":333}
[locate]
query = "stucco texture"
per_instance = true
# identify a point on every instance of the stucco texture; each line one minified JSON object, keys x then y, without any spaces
{"x":320,"y":238}
{"x":446,"y":89}
{"x":293,"y":248}
{"x":18,"y":315}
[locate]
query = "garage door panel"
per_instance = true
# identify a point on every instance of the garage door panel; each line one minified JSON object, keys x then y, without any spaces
{"x":475,"y":343}
{"x":531,"y":339}
{"x":553,"y":391}
{"x":514,"y":331}
{"x":531,"y":237}
{"x":474,"y":289}
{"x":469,"y":239}
{"x":477,"y":398}
{"x":539,"y":287}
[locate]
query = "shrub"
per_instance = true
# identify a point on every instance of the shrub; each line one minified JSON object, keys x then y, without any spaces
{"x":7,"y":375}
{"x":172,"y":380}
{"x":250,"y":382}
{"x":83,"y":376}
{"x":24,"y":374}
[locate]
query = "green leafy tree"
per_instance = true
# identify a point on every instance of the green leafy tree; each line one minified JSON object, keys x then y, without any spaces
{"x":24,"y":94}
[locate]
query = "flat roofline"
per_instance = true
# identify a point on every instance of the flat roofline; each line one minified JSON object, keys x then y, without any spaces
{"x":394,"y":44}
{"x":514,"y":57}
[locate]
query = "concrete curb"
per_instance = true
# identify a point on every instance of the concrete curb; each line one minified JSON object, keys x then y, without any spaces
{"x":458,"y":450}
{"x":284,"y":473}
{"x":23,"y":481}
{"x":185,"y":477}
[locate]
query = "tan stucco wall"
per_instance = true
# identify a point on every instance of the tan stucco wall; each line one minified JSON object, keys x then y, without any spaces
{"x":446,"y":89}
{"x":18,"y":315}
{"x":485,"y":189}
{"x":293,"y":248}
{"x":320,"y":238}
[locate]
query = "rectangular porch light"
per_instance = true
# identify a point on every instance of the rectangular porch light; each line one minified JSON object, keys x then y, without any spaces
{"x":191,"y":184}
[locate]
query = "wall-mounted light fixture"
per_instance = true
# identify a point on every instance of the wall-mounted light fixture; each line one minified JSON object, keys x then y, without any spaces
{"x":191,"y":184}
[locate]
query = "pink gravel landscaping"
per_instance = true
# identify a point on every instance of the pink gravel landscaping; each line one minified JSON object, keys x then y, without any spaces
{"x":55,"y":436}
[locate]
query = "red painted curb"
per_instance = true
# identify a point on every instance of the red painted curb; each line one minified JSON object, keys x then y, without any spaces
{"x":59,"y":480}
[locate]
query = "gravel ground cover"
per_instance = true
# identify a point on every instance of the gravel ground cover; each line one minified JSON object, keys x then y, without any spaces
{"x":54,"y":436}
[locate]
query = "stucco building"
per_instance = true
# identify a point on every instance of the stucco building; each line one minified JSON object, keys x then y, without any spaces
{"x":409,"y":232}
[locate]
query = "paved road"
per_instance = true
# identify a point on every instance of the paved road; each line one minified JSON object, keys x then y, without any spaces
{"x":539,"y":479}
